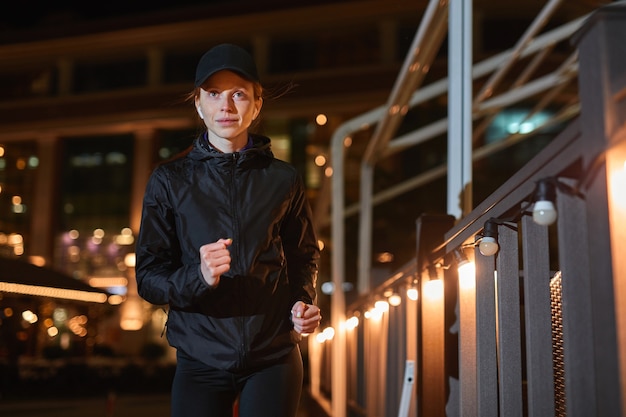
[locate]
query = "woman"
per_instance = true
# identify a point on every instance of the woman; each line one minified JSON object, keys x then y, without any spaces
{"x":227,"y":242}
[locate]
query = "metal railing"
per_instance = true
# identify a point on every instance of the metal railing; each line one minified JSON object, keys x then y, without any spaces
{"x":487,"y":348}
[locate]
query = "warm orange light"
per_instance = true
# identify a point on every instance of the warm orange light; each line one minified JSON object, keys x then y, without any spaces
{"x":37,"y":260}
{"x":394,"y":300}
{"x":352,"y":322}
{"x":93,"y":297}
{"x":433,"y":289}
{"x":321,"y":119}
{"x":320,"y":160}
{"x":107,"y":282}
{"x":467,"y":275}
{"x":412,"y":293}
{"x":618,"y":185}
{"x":131,"y":314}
{"x":616,"y":182}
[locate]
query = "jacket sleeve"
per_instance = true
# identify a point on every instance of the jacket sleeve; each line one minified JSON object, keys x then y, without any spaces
{"x":301,"y":247}
{"x":162,"y":277}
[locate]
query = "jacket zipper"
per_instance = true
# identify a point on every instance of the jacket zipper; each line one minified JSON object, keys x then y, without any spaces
{"x":236,"y":230}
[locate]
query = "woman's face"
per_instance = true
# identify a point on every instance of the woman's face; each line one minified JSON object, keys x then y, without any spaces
{"x":227,"y":105}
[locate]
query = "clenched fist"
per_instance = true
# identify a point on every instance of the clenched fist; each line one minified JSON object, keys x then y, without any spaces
{"x":215,"y":261}
{"x":305,"y":317}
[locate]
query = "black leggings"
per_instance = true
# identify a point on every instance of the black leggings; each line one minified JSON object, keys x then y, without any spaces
{"x":273,"y":391}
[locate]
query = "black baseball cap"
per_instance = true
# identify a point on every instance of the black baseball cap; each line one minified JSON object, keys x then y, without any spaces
{"x":226,"y":57}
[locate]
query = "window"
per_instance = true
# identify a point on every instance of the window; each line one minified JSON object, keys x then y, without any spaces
{"x":28,"y":83}
{"x":105,"y":76}
{"x":18,"y":164}
{"x":96,"y":182}
{"x":180,"y":67}
{"x":173,"y":142}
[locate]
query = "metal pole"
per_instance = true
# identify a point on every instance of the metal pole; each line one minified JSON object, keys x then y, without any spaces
{"x":460,"y":108}
{"x":337,"y":300}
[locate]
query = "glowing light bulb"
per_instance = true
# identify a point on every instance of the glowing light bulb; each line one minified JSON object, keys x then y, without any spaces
{"x":488,"y":246}
{"x":412,"y":293}
{"x":544,"y":212}
{"x":395,"y":300}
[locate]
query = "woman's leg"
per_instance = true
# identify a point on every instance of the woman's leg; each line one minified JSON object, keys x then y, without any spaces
{"x":200,"y":391}
{"x":273,"y":391}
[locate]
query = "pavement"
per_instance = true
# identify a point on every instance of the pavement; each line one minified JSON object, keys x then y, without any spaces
{"x":106,"y":406}
{"x":112,"y":406}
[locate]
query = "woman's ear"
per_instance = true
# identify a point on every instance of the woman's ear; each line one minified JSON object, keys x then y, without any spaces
{"x":198,"y":109}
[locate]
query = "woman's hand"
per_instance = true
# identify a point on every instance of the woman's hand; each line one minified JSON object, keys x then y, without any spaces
{"x":215,"y":261}
{"x":305,"y":317}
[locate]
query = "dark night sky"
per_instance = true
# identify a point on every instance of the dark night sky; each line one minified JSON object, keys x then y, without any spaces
{"x":50,"y":19}
{"x":25,"y":16}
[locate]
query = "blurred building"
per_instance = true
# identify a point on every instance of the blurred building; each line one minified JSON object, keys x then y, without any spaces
{"x":89,"y":105}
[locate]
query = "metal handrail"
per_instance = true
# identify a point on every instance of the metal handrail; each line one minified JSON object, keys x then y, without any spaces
{"x":424,"y":94}
{"x":388,"y":118}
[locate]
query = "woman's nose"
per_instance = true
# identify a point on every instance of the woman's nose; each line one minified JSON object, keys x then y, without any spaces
{"x":226,"y":103}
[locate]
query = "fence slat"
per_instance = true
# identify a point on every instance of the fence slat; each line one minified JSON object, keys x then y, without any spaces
{"x":580,"y":397}
{"x":486,"y":364}
{"x":539,"y":374}
{"x":509,"y":333}
{"x":467,"y":350}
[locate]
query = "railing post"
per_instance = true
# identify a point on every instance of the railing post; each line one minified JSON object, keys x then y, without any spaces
{"x":603,"y":122}
{"x":434,"y":307}
{"x":486,"y":365}
{"x":581,"y":385}
{"x":509,"y":332}
{"x":537,"y":316}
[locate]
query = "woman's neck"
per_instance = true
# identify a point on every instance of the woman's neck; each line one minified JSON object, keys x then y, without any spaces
{"x":228,"y":145}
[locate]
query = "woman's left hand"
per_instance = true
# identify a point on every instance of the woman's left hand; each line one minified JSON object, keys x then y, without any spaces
{"x":305,"y":317}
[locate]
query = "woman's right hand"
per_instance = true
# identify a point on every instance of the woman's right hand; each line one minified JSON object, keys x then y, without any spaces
{"x":215,"y":261}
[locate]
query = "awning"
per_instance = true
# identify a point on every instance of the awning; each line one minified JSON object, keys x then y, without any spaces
{"x":19,"y":277}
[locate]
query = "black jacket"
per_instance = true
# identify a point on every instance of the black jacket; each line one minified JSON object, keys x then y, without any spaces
{"x":260,"y":203}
